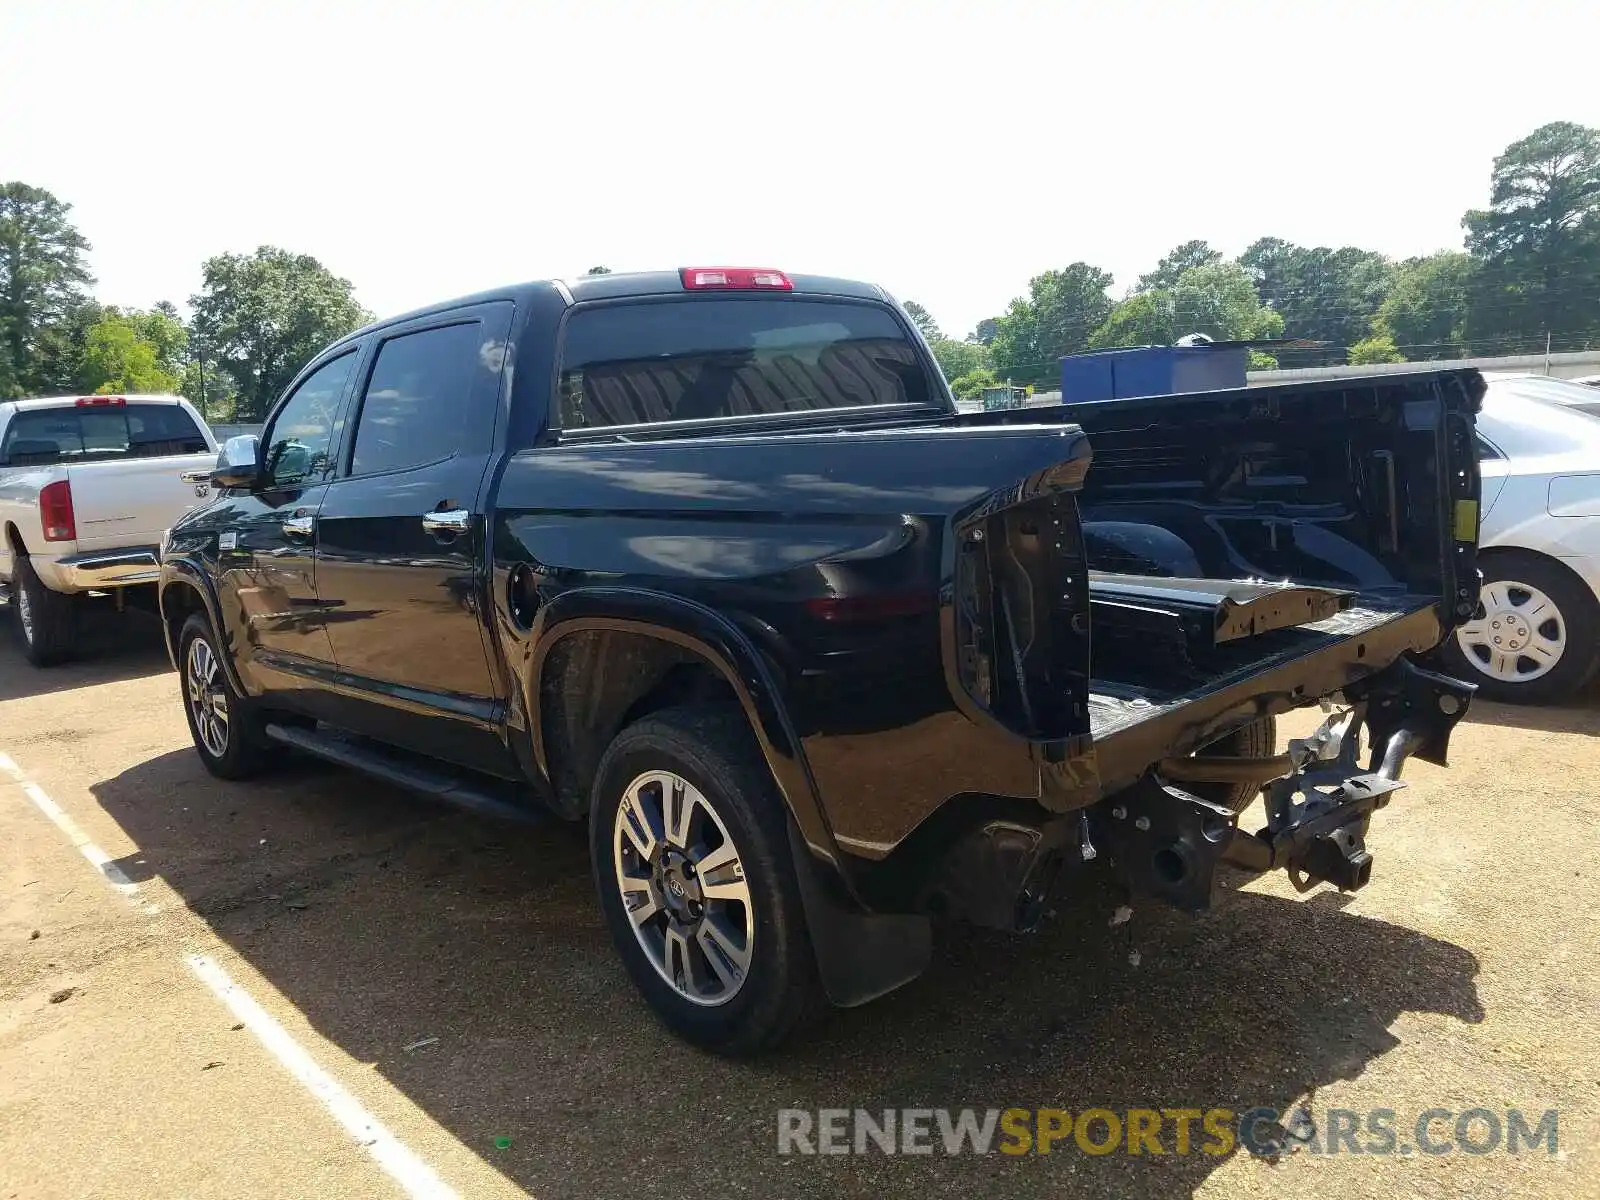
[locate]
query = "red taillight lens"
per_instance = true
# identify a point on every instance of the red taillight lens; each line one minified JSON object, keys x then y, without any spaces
{"x":732,"y":279}
{"x":101,"y":401}
{"x":55,"y":512}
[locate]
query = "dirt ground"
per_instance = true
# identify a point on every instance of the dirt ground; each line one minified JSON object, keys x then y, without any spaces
{"x":367,"y":921}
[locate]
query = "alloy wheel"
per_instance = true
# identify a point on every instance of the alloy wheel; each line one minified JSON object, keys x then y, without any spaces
{"x":25,"y":613}
{"x":208,"y":697}
{"x":683,"y":887}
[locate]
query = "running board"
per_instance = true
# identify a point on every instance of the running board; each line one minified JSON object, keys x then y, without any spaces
{"x":403,"y":770}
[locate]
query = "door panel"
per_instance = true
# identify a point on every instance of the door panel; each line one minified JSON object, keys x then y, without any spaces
{"x":403,"y":599}
{"x":266,"y":552}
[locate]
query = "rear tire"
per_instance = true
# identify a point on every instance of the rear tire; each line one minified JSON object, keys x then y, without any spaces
{"x":687,"y":827}
{"x":1545,"y":618}
{"x":46,"y":619}
{"x":226,"y":727}
{"x":1259,"y":739}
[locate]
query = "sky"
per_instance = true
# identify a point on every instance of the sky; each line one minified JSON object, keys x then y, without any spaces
{"x":948,"y":151}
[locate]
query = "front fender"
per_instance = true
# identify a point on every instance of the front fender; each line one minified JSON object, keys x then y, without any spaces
{"x":185,"y":573}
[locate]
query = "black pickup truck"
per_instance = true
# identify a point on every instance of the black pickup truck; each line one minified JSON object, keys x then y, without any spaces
{"x":709,"y":559}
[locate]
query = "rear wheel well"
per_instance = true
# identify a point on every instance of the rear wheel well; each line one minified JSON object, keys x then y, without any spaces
{"x":598,"y":682}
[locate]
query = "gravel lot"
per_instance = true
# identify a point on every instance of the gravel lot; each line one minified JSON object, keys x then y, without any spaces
{"x":367,"y":921}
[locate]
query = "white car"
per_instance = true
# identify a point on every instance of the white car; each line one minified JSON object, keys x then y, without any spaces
{"x":88,"y":486}
{"x":1536,"y":636}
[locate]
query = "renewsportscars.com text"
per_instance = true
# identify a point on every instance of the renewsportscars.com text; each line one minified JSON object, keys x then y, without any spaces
{"x":1264,"y":1132}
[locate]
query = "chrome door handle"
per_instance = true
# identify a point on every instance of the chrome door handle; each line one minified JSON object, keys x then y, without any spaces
{"x":447,"y":522}
{"x":298,"y":526}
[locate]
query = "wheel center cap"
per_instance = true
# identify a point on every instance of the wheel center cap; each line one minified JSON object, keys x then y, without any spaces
{"x":679,"y":887}
{"x":1510,"y":632}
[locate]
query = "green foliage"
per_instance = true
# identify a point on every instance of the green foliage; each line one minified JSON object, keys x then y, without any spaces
{"x":1379,"y":348}
{"x":58,"y":350}
{"x":958,"y":358}
{"x":1178,"y":260}
{"x":1218,"y":300}
{"x":119,"y":358}
{"x":1260,"y":360}
{"x":1537,"y":245}
{"x":970,"y":386}
{"x":42,"y":279}
{"x":1425,"y":311}
{"x":923,"y":320}
{"x":598,"y":271}
{"x":1325,"y":295}
{"x":262,"y":316}
{"x":1061,"y":310}
{"x":984,"y":333}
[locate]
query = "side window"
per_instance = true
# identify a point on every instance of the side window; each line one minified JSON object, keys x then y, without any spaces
{"x":303,"y":434}
{"x":417,"y":408}
{"x":1486,"y":451}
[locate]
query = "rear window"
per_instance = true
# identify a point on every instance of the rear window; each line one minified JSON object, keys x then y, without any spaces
{"x":688,"y":360}
{"x":42,"y":437}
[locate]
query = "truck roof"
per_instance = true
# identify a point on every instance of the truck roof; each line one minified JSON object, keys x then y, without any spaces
{"x":70,"y":401}
{"x":622,"y":284}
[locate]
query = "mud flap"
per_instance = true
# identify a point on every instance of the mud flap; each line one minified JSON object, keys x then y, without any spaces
{"x":860,"y":955}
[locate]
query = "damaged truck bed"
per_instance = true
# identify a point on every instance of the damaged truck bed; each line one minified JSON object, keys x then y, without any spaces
{"x":1246,"y":553}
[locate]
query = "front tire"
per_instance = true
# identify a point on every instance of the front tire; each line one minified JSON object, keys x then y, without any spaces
{"x":46,"y":619}
{"x":689,"y":841}
{"x":1533,"y":637}
{"x":226,"y":727}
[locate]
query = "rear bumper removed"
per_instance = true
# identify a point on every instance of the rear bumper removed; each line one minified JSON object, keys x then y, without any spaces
{"x":1165,"y":842}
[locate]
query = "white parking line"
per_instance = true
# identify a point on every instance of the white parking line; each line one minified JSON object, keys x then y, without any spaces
{"x":98,"y":858}
{"x":414,"y":1176}
{"x":404,"y":1167}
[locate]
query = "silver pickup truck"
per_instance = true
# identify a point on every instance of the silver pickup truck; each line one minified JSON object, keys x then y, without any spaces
{"x":88,"y":485}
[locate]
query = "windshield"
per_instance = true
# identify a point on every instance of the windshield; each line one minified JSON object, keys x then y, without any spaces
{"x":694,"y":359}
{"x":43,"y":437}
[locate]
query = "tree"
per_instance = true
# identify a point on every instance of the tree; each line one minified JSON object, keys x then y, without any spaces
{"x":598,"y":271}
{"x":1057,"y":316}
{"x":970,"y":386}
{"x":958,"y":358}
{"x":59,"y":347}
{"x":1218,"y":300}
{"x":42,"y":278}
{"x":118,"y":358}
{"x":1324,"y":294}
{"x":985,"y":331}
{"x":1379,"y":348}
{"x":1175,"y":263}
{"x":1537,"y":245}
{"x":262,"y":316}
{"x":1425,"y":312}
{"x":923,"y":320}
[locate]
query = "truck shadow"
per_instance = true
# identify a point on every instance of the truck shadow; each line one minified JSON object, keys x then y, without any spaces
{"x":112,"y":647}
{"x":1579,"y":714}
{"x":388,"y":922}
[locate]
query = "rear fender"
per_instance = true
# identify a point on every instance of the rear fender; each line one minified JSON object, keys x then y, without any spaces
{"x":725,"y":648}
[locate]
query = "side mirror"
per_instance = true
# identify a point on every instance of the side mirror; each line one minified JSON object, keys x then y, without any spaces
{"x":239,"y":463}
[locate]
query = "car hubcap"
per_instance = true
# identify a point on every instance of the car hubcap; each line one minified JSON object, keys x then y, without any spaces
{"x":683,"y":887}
{"x":25,"y":613}
{"x":1517,"y":634}
{"x":208,"y":698}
